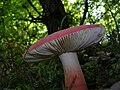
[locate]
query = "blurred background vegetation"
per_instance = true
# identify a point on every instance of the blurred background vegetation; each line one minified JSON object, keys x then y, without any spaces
{"x":22,"y":24}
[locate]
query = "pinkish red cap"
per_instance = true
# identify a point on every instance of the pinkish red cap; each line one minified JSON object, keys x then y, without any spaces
{"x":67,"y":40}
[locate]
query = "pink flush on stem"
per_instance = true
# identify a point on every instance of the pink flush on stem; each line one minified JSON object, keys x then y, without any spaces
{"x":65,"y":44}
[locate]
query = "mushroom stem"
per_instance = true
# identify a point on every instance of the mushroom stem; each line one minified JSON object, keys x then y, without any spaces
{"x":74,"y":78}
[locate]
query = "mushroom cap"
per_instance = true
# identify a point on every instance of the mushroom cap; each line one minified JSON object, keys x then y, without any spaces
{"x":67,"y":40}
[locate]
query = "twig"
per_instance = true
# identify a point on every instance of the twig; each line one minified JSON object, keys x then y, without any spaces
{"x":33,"y":7}
{"x":115,"y":23}
{"x":72,"y":83}
{"x":84,"y":13}
{"x":114,"y":20}
{"x":31,"y":16}
{"x":61,"y":24}
{"x":28,"y":11}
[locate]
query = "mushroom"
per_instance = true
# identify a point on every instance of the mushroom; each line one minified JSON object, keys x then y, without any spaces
{"x":65,"y":44}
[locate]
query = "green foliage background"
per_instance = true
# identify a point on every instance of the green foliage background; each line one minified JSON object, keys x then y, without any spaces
{"x":18,"y":31}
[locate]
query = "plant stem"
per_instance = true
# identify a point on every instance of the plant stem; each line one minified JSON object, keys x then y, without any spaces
{"x":74,"y":79}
